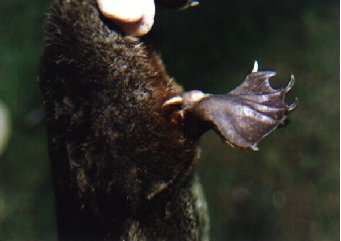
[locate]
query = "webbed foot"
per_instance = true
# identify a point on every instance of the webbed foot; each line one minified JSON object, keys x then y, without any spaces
{"x":244,"y":116}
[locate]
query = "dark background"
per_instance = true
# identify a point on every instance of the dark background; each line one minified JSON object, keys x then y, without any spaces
{"x":289,"y":190}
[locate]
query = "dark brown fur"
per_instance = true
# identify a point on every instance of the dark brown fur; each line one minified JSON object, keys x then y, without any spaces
{"x":122,"y":169}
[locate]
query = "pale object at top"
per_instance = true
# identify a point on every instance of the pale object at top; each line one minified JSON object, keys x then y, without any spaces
{"x":134,"y":17}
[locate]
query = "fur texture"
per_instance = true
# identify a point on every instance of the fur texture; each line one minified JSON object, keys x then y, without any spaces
{"x":122,"y":169}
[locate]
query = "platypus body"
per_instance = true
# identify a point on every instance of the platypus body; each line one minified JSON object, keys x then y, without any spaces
{"x":122,"y":156}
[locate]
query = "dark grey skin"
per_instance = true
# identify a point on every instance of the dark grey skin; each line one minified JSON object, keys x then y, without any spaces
{"x":123,"y":137}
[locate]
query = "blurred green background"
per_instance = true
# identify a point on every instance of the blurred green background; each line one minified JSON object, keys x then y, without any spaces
{"x":289,"y":190}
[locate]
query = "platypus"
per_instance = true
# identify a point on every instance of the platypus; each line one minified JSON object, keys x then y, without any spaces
{"x":123,"y":136}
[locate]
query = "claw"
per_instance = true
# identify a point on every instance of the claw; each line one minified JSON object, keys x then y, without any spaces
{"x":254,"y":148}
{"x":293,"y":105}
{"x":290,"y":85}
{"x":255,"y":67}
{"x":176,"y":100}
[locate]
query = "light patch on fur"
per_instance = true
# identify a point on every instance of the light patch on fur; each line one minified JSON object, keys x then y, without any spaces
{"x":5,"y":127}
{"x":201,"y":208}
